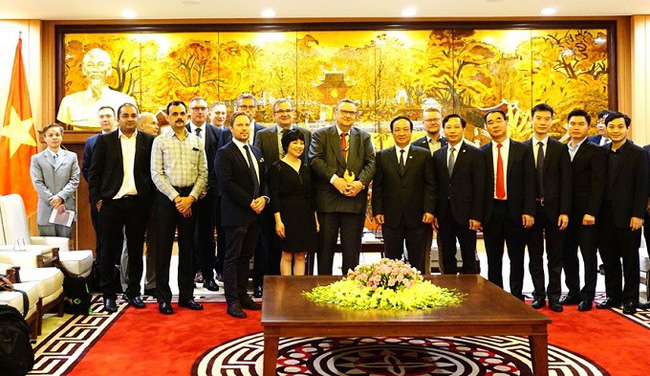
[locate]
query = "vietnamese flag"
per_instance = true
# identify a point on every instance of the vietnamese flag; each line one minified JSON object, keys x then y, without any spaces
{"x":18,"y":138}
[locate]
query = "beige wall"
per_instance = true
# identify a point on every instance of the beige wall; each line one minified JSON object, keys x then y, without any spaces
{"x":31,"y":34}
{"x":641,"y":79}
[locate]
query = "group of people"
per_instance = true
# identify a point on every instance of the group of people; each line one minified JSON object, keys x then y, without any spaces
{"x":280,"y":192}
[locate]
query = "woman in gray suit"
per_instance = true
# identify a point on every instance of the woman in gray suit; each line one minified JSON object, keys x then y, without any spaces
{"x":55,"y":175}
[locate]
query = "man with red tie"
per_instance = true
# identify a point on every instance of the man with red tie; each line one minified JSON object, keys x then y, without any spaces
{"x":509,"y":201}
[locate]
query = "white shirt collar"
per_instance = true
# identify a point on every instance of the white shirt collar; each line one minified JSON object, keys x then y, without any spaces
{"x":544,"y":141}
{"x":120,"y":134}
{"x":406,"y":149}
{"x":279,"y":129}
{"x":339,"y":131}
{"x":239,"y":143}
{"x":458,"y":145}
{"x":577,"y":146}
{"x":504,"y":144}
{"x":52,"y":153}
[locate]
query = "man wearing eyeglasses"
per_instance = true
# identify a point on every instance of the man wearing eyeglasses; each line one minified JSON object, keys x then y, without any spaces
{"x":204,"y":242}
{"x":343,"y":162}
{"x":432,"y":120}
{"x":247,"y":104}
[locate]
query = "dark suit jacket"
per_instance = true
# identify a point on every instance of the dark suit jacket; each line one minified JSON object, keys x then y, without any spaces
{"x":267,"y":142}
{"x":237,"y":185}
{"x":88,"y":154}
{"x":557,"y":178}
{"x":404,"y":198}
{"x":226,"y":135}
{"x":212,"y":137}
{"x":629,"y":183}
{"x":106,"y":171}
{"x":589,"y":171}
{"x":464,"y":189}
{"x":326,"y":159}
{"x":520,"y":185}
{"x":422,"y":142}
{"x":595,"y":139}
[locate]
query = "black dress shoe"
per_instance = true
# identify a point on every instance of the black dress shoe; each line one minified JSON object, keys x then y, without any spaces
{"x":570,"y":300}
{"x":248,"y":303}
{"x":629,"y":308}
{"x":218,"y":276}
{"x":258,"y":291}
{"x":555,"y":306}
{"x":234,"y":310}
{"x":585,"y":305}
{"x":150,"y":292}
{"x":211,"y":285}
{"x":109,"y":305}
{"x":165,"y":308}
{"x":136,"y":302}
{"x":645,"y":305}
{"x":608,"y":303}
{"x":191,"y":304}
{"x":538,"y":303}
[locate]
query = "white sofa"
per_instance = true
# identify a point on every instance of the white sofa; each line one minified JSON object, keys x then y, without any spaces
{"x":15,"y":299}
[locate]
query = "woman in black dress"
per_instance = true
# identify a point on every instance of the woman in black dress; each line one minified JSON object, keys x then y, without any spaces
{"x":291,"y":201}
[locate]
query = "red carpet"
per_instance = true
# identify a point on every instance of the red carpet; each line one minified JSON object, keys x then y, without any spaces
{"x":144,"y":342}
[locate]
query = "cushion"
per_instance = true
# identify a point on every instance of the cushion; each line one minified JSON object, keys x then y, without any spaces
{"x":24,"y":259}
{"x":15,"y":299}
{"x":51,"y":281}
{"x":78,"y":262}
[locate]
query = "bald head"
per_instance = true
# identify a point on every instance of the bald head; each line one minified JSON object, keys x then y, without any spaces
{"x":148,"y":123}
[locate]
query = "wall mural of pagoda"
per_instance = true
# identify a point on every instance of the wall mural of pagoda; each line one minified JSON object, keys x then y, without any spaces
{"x":390,"y":73}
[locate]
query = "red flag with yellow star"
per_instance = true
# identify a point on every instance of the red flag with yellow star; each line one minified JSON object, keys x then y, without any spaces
{"x":18,"y":138}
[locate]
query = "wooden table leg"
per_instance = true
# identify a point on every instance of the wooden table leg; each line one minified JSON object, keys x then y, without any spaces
{"x":539,"y":353}
{"x":270,"y":354}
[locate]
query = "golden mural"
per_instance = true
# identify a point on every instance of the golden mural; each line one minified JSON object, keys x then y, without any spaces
{"x":390,"y":73}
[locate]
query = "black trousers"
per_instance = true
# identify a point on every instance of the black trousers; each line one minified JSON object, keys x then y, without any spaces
{"x":221,"y":238}
{"x":203,"y":255}
{"x":152,"y":249}
{"x":131,"y":214}
{"x":97,"y":226}
{"x":554,"y":254}
{"x":616,"y":244}
{"x":578,"y":235}
{"x":169,"y":218}
{"x":351,"y":227}
{"x":240,"y":245}
{"x":416,"y":243}
{"x":502,"y":228}
{"x":262,"y":263}
{"x":449,"y":230}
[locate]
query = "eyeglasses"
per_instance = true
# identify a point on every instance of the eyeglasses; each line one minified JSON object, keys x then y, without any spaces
{"x":283,"y":111}
{"x":245,"y":107}
{"x":435,"y":120}
{"x":348,"y":113}
{"x":199,"y":108}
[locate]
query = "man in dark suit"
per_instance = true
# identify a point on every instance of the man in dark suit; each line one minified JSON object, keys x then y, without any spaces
{"x":403,"y":195}
{"x":106,"y":115}
{"x":589,"y":171}
{"x":460,"y":176}
{"x":432,"y":141}
{"x":247,"y":104}
{"x":241,"y":172}
{"x":121,"y":189}
{"x":622,"y":213}
{"x":553,"y":198}
{"x":268,"y":141}
{"x":204,"y":241}
{"x":343,"y":161}
{"x":509,"y":201}
{"x":601,"y":138}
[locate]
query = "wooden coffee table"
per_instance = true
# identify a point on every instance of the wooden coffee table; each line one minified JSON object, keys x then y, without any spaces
{"x":487,"y":310}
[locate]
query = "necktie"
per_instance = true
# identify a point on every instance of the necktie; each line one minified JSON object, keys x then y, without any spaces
{"x":501,"y":188}
{"x":450,"y":163}
{"x":344,"y":146}
{"x":198,"y":132}
{"x":251,"y":166}
{"x":540,"y":170}
{"x":280,"y":148}
{"x":401,"y":161}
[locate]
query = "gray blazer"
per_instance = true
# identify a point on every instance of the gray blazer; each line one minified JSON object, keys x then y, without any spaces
{"x":267,"y":142}
{"x":50,"y":179}
{"x":326,"y":159}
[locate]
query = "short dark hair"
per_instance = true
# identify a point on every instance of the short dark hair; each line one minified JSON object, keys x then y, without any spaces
{"x":496,"y":110}
{"x":400,"y":118}
{"x":618,"y":115}
{"x":603,"y":114}
{"x":579,"y":112}
{"x":463,"y":122}
{"x":542,"y":107}
{"x":245,"y":96}
{"x":176,"y":103}
{"x":345,"y":100}
{"x":290,"y":136}
{"x":127,"y":104}
{"x":105,"y":107}
{"x":52,"y":125}
{"x":281,"y":100}
{"x":237,"y":114}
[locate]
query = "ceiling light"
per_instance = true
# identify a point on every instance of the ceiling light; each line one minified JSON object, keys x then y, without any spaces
{"x":268,"y":13}
{"x":600,"y":40}
{"x":548,"y":11}
{"x":409,"y":12}
{"x":129,"y":13}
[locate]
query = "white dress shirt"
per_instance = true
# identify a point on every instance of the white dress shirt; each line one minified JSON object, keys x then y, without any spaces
{"x":203,"y":129}
{"x":240,"y":146}
{"x":535,"y":145}
{"x":573,"y":150}
{"x":456,"y":151}
{"x":505,"y":149}
{"x":406,"y":152}
{"x":434,"y":145}
{"x":128,"y":164}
